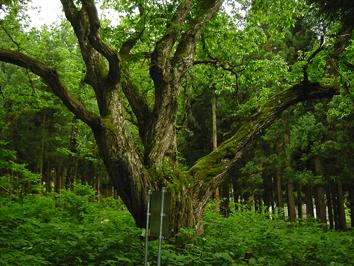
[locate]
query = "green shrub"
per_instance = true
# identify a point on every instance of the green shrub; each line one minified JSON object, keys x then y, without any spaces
{"x":72,"y":229}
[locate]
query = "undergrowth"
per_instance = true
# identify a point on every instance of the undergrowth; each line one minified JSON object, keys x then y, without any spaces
{"x":72,"y":229}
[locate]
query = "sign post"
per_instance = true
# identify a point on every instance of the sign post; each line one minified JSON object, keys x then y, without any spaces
{"x":162,"y":214}
{"x":148,"y":214}
{"x":157,"y":221}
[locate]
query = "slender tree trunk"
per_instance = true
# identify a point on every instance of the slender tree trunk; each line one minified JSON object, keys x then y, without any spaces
{"x":48,"y":177}
{"x":334,"y":194}
{"x":98,"y":187}
{"x":42,"y":157}
{"x":73,"y":164}
{"x":320,"y":204}
{"x":341,"y":209}
{"x":225,"y":198}
{"x":217,"y":193}
{"x":309,"y":202}
{"x":280,"y":203}
{"x":320,"y":194}
{"x":290,"y":186}
{"x":58,"y":178}
{"x":256,"y":199}
{"x":272,"y":198}
{"x":213,"y":118}
{"x":329,"y":206}
{"x":299,"y":201}
{"x":268,"y":197}
{"x":235,"y":192}
{"x":351,"y":205}
{"x":291,"y":202}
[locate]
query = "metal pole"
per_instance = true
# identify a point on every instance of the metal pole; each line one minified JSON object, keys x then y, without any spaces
{"x":148,"y":214}
{"x":162,"y":214}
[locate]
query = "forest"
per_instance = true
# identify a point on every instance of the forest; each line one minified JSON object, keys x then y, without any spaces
{"x":242,"y":109}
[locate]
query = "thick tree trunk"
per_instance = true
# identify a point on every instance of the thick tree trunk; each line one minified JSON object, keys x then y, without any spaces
{"x":170,"y":59}
{"x":125,"y":166}
{"x":125,"y":170}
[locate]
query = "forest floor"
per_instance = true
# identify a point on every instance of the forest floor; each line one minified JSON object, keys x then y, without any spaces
{"x":73,"y":229}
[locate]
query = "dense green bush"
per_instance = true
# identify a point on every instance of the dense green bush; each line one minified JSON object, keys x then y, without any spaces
{"x":67,"y":229}
{"x":72,"y":229}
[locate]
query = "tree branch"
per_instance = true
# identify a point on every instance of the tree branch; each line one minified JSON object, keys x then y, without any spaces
{"x":312,"y":56}
{"x":183,"y":57}
{"x":138,"y":104}
{"x":160,"y":57}
{"x":129,"y":44}
{"x":52,"y":79}
{"x":166,"y":71}
{"x":97,"y":42}
{"x":18,"y":50}
{"x":97,"y":74}
{"x":79,"y":22}
{"x":210,"y":170}
{"x":216,"y":63}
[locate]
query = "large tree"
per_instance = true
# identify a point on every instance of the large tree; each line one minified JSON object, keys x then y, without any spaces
{"x":170,"y":55}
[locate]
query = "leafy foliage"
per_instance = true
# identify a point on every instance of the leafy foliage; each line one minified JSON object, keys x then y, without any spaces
{"x":44,"y":230}
{"x":15,"y":177}
{"x":67,"y":229}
